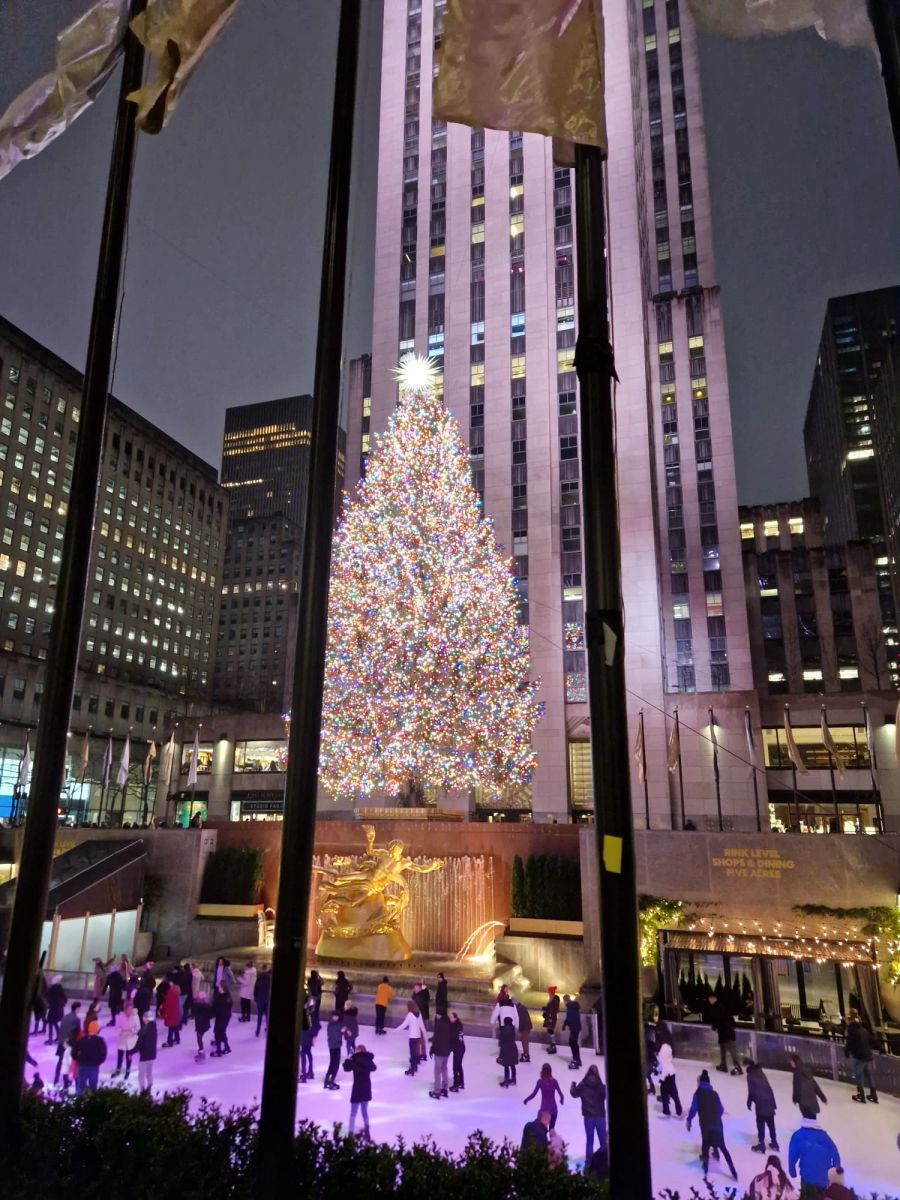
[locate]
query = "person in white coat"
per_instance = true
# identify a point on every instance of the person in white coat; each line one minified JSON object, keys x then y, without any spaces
{"x":668,"y":1090}
{"x":416,"y":1032}
{"x":248,"y":983}
{"x":128,"y":1026}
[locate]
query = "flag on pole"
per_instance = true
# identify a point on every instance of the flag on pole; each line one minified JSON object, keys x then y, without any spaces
{"x":843,"y":21}
{"x":107,"y":764}
{"x":870,"y":737}
{"x":25,"y":764}
{"x":751,"y":740}
{"x":530,"y":65}
{"x":792,"y":748}
{"x":124,"y":763}
{"x":830,"y":745}
{"x":195,"y":754}
{"x":673,"y":755}
{"x":640,"y":755}
{"x":715,"y":745}
{"x":169,"y":760}
{"x":85,"y":758}
{"x":151,"y":754}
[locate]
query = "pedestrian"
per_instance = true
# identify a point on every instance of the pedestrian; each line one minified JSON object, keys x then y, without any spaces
{"x":458,"y":1050}
{"x":772,"y":1183}
{"x":549,"y":1089}
{"x":247,"y":987}
{"x":56,"y":1008}
{"x":441,"y":1049}
{"x":440,"y":995}
{"x":161,"y":988}
{"x":126,"y":970}
{"x":415,"y":1030}
{"x":858,"y":1047}
{"x":115,"y":985}
{"x":334,"y":1037}
{"x":39,"y":1003}
{"x":99,"y":979}
{"x":383,"y":994}
{"x":203,"y":1017}
{"x":69,"y":1028}
{"x":362,"y":1063}
{"x":171,"y":1013}
{"x":89,"y":1054}
{"x":186,"y":984}
{"x":668,"y":1087}
{"x":837,"y":1186}
{"x":307,"y":1040}
{"x":143,"y":997}
{"x":806,"y":1091}
{"x":146,"y":1052}
{"x":525,"y":1027}
{"x":196,"y":984}
{"x":509,"y":1052}
{"x":550,"y":1013}
{"x":723,"y":1023}
{"x":314,"y":987}
{"x":591,"y":1091}
{"x":222,"y":973}
{"x":572,"y":1022}
{"x":814,"y":1153}
{"x":761,"y":1097}
{"x":651,"y":1056}
{"x":707,"y":1108}
{"x":262,"y":990}
{"x":146,"y":976}
{"x":221,"y":1007}
{"x":342,"y":989}
{"x":535,"y":1135}
{"x":128,"y":1026}
{"x":423,"y":1001}
{"x":351,"y":1027}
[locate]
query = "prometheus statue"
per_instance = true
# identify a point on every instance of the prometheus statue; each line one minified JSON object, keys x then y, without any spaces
{"x":361,"y":903}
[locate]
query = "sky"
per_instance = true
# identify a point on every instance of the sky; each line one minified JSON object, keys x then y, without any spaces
{"x":222,"y":273}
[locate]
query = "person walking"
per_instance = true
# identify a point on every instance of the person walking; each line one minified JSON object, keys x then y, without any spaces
{"x":440,"y":995}
{"x":334,"y":1037}
{"x":56,"y":1008}
{"x":668,"y":1087}
{"x":362,"y":1063}
{"x":383,"y":994}
{"x":314,"y":987}
{"x":69,"y":1028}
{"x":342,"y":989}
{"x":203,"y":1018}
{"x":351,"y":1027}
{"x":441,"y":1049}
{"x":723,"y":1023}
{"x":423,"y":1001}
{"x":458,"y":1050}
{"x":128,"y":1026}
{"x":761,"y":1097}
{"x":416,"y":1032}
{"x":222,"y":973}
{"x":307,"y":1041}
{"x":509,"y":1052}
{"x":245,"y":991}
{"x":535,"y":1136}
{"x":858,"y":1047}
{"x":591,"y":1091}
{"x":707,"y":1108}
{"x":572,"y":1022}
{"x":146,"y":1052}
{"x":171,"y":1014}
{"x":262,"y":990}
{"x":99,"y":979}
{"x":222,"y":1005}
{"x":115,"y":985}
{"x":549,"y":1089}
{"x":772,"y":1182}
{"x":550,"y":1014}
{"x":806,"y":1092}
{"x":814,"y":1153}
{"x":523,"y":1017}
{"x":143,"y":997}
{"x":89,"y":1055}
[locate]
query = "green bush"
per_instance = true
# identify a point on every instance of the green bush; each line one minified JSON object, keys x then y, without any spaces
{"x":233,"y":875}
{"x":517,"y":897}
{"x":550,"y":890}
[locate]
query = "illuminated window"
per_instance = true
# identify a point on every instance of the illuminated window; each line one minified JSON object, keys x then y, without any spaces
{"x":650,"y":41}
{"x":665,"y":348}
{"x":776,"y":677}
{"x":848,"y":673}
{"x":517,"y":225}
{"x":681,"y":611}
{"x":795,"y":525}
{"x":565,"y":360}
{"x":849,"y":740}
{"x":517,"y":190}
{"x":516,"y":367}
{"x":478,"y":233}
{"x":714,"y":604}
{"x":476,"y":374}
{"x":260,"y":757}
{"x":812,"y":674}
{"x":747,"y":531}
{"x":770,"y":528}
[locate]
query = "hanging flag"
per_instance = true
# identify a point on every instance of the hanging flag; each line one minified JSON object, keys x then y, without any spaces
{"x":870,"y":737}
{"x":107,"y":764}
{"x":843,"y":21}
{"x":640,"y":755}
{"x":751,"y":740}
{"x":176,"y":35}
{"x":195,"y":754}
{"x":151,"y":754}
{"x":25,"y":764}
{"x":792,"y":749}
{"x":124,"y":763}
{"x":830,"y":746}
{"x":530,"y":65}
{"x":715,"y":745}
{"x":85,"y":757}
{"x":169,"y":760}
{"x":673,"y":756}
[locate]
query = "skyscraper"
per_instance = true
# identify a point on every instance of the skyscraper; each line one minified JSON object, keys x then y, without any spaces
{"x":475,"y":265}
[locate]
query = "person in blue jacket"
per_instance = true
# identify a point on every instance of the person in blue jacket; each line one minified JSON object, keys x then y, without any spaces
{"x":815,"y":1153}
{"x":707,"y":1108}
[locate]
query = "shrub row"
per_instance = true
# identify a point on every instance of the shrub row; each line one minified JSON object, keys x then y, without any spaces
{"x":232,"y":875}
{"x":547,"y":887}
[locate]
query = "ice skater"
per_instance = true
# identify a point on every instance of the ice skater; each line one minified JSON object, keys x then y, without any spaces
{"x":813,"y":1152}
{"x":761,"y":1097}
{"x":707,"y":1108}
{"x":806,"y":1091}
{"x":668,"y":1085}
{"x":458,"y":1050}
{"x":549,"y":1089}
{"x":441,"y":1048}
{"x":262,"y":990}
{"x":772,"y":1182}
{"x":858,"y":1047}
{"x":334,"y":1035}
{"x":245,"y":992}
{"x":723,"y":1022}
{"x":170,"y":1010}
{"x":307,"y":1041}
{"x":550,"y":1013}
{"x":203,"y":1015}
{"x":591,"y":1091}
{"x":415,"y":1031}
{"x":362,"y":1063}
{"x":128,"y":1026}
{"x":56,"y":1007}
{"x":509,"y":1052}
{"x":351,"y":1027}
{"x":221,"y":1006}
{"x":315,"y":986}
{"x":573,"y":1024}
{"x":383,"y":994}
{"x":342,"y":989}
{"x":145,"y":1048}
{"x":441,"y":1000}
{"x":525,"y":1027}
{"x":69,"y":1029}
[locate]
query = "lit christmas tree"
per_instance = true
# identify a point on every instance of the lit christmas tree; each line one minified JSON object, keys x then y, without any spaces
{"x":426,"y":676}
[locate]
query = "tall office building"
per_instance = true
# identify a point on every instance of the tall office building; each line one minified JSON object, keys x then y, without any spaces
{"x":475,"y":264}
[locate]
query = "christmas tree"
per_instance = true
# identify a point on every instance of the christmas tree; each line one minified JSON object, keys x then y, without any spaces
{"x":426,"y":675}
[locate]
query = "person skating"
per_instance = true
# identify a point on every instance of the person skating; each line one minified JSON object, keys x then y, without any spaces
{"x":441,"y":1001}
{"x":441,"y":1049}
{"x":651,"y":1057}
{"x":171,"y":1013}
{"x":572,"y":1022}
{"x":723,"y":1023}
{"x":334,"y":1036}
{"x":549,"y":1089}
{"x":761,"y":1097}
{"x":222,"y":973}
{"x":342,"y":989}
{"x":535,"y":1136}
{"x":69,"y":1029}
{"x":262,"y":990}
{"x":245,"y":991}
{"x":416,"y":1032}
{"x":458,"y":1050}
{"x":89,"y":1055}
{"x":146,"y":1052}
{"x":115,"y":986}
{"x":307,"y":1040}
{"x":56,"y":1008}
{"x":509,"y":1052}
{"x":668,"y":1085}
{"x":314,"y":987}
{"x":143,"y":997}
{"x":707,"y":1108}
{"x":203,"y":1017}
{"x":362,"y":1063}
{"x":383,"y":994}
{"x":523,"y":1017}
{"x":351,"y":1027}
{"x":423,"y":1000}
{"x":99,"y":986}
{"x":550,"y":1014}
{"x":858,"y":1047}
{"x":591,"y":1091}
{"x":806,"y":1092}
{"x":837,"y":1186}
{"x":772,"y":1183}
{"x":222,"y":1005}
{"x":128,"y":1026}
{"x":814,"y":1153}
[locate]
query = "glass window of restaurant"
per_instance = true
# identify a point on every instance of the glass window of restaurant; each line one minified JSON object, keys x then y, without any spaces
{"x":258,"y":756}
{"x":813,"y":808}
{"x":204,"y":757}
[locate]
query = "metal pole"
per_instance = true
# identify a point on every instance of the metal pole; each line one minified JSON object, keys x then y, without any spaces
{"x":644,"y":771}
{"x":873,"y":769}
{"x":753,"y":771}
{"x":680,"y":772}
{"x":279,"y":1086}
{"x":885,"y":18}
{"x":834,"y":795}
{"x":629,"y":1161}
{"x":712,"y":728}
{"x":62,"y":658}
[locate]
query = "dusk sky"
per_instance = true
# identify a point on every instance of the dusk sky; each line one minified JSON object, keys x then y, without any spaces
{"x":222,"y":277}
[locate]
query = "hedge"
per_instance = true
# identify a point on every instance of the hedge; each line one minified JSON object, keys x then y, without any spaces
{"x":546,"y":887}
{"x":232,"y":875}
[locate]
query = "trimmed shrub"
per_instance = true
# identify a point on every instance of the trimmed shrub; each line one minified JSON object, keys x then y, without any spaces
{"x":517,"y":897}
{"x":233,"y":875}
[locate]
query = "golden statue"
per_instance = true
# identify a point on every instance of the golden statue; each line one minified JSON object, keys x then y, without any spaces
{"x":361,"y":903}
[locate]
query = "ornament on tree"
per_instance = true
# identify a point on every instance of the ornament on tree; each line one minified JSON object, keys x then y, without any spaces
{"x":426,"y":674}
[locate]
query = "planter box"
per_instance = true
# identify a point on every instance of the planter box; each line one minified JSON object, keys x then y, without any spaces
{"x":240,"y":912}
{"x":541,"y":928}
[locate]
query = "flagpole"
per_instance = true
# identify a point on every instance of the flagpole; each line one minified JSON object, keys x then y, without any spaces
{"x":62,"y":658}
{"x":629,"y":1151}
{"x":712,"y":729}
{"x":885,"y":18}
{"x":680,"y":773}
{"x":644,"y":771}
{"x":873,"y":768}
{"x":278,"y":1097}
{"x":755,"y":780}
{"x":834,"y":795}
